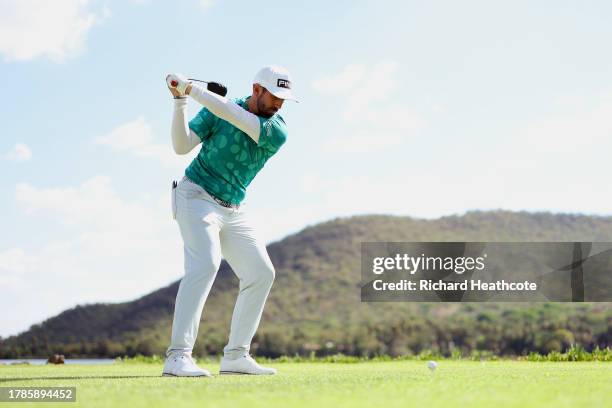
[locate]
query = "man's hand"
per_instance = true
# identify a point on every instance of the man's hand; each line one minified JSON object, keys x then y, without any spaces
{"x":178,"y":85}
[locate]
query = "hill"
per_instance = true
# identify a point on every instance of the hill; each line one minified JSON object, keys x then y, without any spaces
{"x":315,"y":302}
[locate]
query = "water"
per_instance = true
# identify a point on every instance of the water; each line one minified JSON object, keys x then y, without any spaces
{"x":42,"y":361}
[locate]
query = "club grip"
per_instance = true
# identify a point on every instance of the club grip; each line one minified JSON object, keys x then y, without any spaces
{"x":217,"y":88}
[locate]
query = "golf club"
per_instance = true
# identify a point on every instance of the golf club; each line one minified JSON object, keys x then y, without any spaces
{"x":215,"y":87}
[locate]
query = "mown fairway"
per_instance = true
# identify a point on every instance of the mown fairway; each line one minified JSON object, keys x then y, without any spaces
{"x":388,"y":384}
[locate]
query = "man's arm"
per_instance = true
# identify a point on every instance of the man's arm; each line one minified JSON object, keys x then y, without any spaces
{"x":226,"y":110}
{"x":183,"y":138}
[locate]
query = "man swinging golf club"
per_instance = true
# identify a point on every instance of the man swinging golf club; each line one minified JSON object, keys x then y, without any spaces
{"x":237,"y":137}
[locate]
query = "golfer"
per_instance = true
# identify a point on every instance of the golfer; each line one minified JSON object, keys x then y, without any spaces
{"x":238,"y":137}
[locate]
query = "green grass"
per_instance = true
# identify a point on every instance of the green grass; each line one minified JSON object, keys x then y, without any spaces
{"x":369,"y":384}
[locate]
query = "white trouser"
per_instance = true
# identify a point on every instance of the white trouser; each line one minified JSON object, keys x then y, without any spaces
{"x":209,"y":231}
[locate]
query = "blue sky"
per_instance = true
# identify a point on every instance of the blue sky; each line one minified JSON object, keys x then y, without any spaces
{"x":411,"y":108}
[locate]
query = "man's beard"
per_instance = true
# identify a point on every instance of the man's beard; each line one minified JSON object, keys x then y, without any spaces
{"x":263,"y":112}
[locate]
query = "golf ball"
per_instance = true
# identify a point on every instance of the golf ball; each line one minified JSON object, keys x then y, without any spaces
{"x":432,"y":365}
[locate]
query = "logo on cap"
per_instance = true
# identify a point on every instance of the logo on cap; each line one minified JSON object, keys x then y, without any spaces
{"x":283,"y":83}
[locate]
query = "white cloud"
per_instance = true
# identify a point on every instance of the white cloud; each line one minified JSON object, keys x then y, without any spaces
{"x":55,"y":29}
{"x":360,"y":86}
{"x":15,"y":260}
{"x":394,"y":117}
{"x":344,"y":81}
{"x":370,"y":120}
{"x":377,"y":86}
{"x":206,"y":4}
{"x":136,"y":138}
{"x":92,"y":204}
{"x":19,"y":153}
{"x":571,"y":132}
{"x":129,"y":136}
{"x":362,"y":142}
{"x":97,"y":212}
{"x":107,"y":249}
{"x":438,"y":108}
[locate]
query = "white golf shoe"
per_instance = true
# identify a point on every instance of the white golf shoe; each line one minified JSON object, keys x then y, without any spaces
{"x":181,"y":364}
{"x":244,"y":365}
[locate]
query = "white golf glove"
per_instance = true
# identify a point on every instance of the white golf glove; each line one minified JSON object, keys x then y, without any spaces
{"x":178,"y":82}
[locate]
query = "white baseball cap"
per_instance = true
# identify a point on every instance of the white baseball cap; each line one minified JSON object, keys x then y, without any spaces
{"x":277,"y":80}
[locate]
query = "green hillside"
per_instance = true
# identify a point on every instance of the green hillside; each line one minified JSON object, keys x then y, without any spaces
{"x":315,"y":302}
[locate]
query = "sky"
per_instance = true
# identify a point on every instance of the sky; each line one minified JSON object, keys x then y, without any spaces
{"x":422,"y":109}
